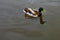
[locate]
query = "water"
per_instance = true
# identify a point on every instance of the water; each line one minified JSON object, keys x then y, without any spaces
{"x":13,"y":25}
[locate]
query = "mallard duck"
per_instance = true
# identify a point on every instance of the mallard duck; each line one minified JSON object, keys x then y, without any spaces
{"x":33,"y":13}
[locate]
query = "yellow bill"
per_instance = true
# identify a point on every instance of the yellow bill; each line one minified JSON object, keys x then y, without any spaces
{"x":44,"y":11}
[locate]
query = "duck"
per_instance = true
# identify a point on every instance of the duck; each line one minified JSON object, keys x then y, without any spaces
{"x":33,"y":13}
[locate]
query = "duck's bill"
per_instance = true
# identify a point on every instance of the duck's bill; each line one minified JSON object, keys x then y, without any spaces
{"x":44,"y":11}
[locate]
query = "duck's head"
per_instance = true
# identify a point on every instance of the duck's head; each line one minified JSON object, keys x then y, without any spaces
{"x":41,"y":9}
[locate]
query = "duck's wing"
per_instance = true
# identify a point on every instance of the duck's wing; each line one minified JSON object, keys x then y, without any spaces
{"x":31,"y":10}
{"x":31,"y":14}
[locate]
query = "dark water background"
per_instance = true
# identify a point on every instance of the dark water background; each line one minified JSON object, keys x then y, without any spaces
{"x":13,"y":25}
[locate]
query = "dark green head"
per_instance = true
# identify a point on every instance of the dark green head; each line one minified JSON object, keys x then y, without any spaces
{"x":40,"y":9}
